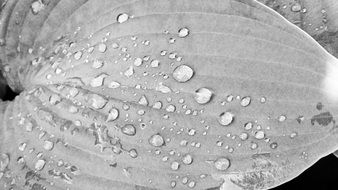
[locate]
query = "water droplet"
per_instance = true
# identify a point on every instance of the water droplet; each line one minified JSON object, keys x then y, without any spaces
{"x":113,"y":115}
{"x":183,"y":32}
{"x":97,"y":64}
{"x":156,"y":140}
{"x":175,"y":166}
{"x":129,"y":72}
{"x":37,"y":6}
{"x":22,"y":146}
{"x":133,"y":153}
{"x":226,"y":118}
{"x":123,"y":17}
{"x":191,"y":184}
{"x":187,"y":159}
{"x":170,"y":108}
{"x":155,"y":63}
{"x":102,"y":47}
{"x":54,"y":99}
{"x":98,"y":81}
{"x":73,"y":92}
{"x":157,"y":105}
{"x":273,"y":145}
{"x":222,"y":164}
{"x":48,"y":145}
{"x":183,"y":73}
{"x":114,"y":84}
{"x":4,"y":161}
{"x":244,"y":136}
{"x":282,"y":118}
{"x":143,"y":101}
{"x":97,"y":102}
{"x":245,"y":101}
{"x":129,"y":130}
{"x":254,"y":146}
{"x":40,"y":164}
{"x":78,"y":55}
{"x":203,"y":95}
{"x":259,"y":135}
{"x":293,"y":135}
{"x":248,"y":126}
{"x":296,"y":7}
{"x":162,"y":88}
{"x":138,"y":62}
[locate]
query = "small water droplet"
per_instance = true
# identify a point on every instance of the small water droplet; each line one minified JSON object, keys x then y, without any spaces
{"x":143,"y":101}
{"x":203,"y":95}
{"x":48,"y":145}
{"x":183,"y":73}
{"x":113,"y":114}
{"x":259,"y":134}
{"x":282,"y":118}
{"x":138,"y":62}
{"x":54,"y":99}
{"x":183,"y":32}
{"x":273,"y":145}
{"x":78,"y":55}
{"x":40,"y":164}
{"x":156,"y":140}
{"x":157,"y":105}
{"x":175,"y":166}
{"x":245,"y":101}
{"x":97,"y":64}
{"x":226,"y":118}
{"x":98,"y":81}
{"x":97,"y":101}
{"x":129,"y":130}
{"x":129,"y":72}
{"x":244,"y":136}
{"x":248,"y":126}
{"x":155,"y":63}
{"x":123,"y":17}
{"x":187,"y":159}
{"x":296,"y":7}
{"x":133,"y":153}
{"x":102,"y":47}
{"x":293,"y":135}
{"x":222,"y":164}
{"x":114,"y":84}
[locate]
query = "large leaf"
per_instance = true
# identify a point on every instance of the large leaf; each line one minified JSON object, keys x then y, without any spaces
{"x":162,"y":94}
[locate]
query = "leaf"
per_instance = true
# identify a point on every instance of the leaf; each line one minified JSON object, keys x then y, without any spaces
{"x":162,"y":94}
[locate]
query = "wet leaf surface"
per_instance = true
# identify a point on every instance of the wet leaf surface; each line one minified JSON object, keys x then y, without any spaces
{"x":161,"y":95}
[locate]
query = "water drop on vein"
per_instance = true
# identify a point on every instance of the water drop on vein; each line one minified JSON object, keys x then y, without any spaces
{"x":123,"y":17}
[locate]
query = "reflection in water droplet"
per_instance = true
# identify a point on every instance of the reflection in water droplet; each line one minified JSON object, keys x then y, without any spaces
{"x":183,"y":32}
{"x":129,"y":130}
{"x":203,"y":95}
{"x":226,"y":118}
{"x":183,"y":73}
{"x":156,"y":140}
{"x":222,"y":164}
{"x":123,"y":17}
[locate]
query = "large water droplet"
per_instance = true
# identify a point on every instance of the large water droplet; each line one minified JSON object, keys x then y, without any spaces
{"x":226,"y":118}
{"x":129,"y":130}
{"x":123,"y":17}
{"x":183,"y":32}
{"x":222,"y":164}
{"x":203,"y":95}
{"x":156,"y":140}
{"x":183,"y":73}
